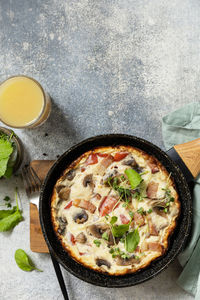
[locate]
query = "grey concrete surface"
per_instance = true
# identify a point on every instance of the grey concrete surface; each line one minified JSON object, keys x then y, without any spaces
{"x":109,"y":66}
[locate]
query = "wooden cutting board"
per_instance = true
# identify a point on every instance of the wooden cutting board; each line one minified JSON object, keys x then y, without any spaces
{"x":37,"y":242}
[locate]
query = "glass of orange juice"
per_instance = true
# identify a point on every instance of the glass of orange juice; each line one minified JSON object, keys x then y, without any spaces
{"x":23,"y":102}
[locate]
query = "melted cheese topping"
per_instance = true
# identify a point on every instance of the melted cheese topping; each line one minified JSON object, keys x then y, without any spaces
{"x":150,"y":245}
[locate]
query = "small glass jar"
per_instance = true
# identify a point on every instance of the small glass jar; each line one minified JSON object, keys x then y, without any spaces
{"x":23,"y":102}
{"x":16,"y":157}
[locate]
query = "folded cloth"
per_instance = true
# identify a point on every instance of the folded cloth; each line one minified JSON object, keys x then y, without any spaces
{"x":180,"y":126}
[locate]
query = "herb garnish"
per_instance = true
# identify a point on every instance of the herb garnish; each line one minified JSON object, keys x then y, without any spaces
{"x":6,"y":149}
{"x":24,"y":262}
{"x":97,"y":243}
{"x":169,"y":199}
{"x":7,"y":200}
{"x":105,"y":236}
{"x":133,"y":177}
{"x":11,"y":217}
{"x":119,"y":230}
{"x":116,"y":252}
{"x":132,"y":240}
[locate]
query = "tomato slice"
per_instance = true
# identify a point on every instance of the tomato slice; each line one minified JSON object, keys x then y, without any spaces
{"x":107,"y":205}
{"x":124,"y":219}
{"x":92,"y":159}
{"x":73,"y":240}
{"x":68,"y":205}
{"x":120,"y":155}
{"x":102,"y":154}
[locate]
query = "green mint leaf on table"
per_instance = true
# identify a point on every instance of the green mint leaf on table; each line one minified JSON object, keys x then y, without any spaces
{"x":10,"y":221}
{"x":132,"y":240}
{"x":97,"y":243}
{"x":24,"y":262}
{"x":7,"y":212}
{"x":133,"y":177}
{"x":11,"y":218}
{"x":105,"y":236}
{"x":113,"y":220}
{"x":119,"y":230}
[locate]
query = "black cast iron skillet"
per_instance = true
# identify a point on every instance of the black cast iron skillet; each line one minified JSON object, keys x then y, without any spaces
{"x":180,"y":173}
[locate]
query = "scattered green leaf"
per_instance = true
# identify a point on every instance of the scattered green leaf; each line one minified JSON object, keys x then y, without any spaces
{"x":10,"y":218}
{"x":24,"y":262}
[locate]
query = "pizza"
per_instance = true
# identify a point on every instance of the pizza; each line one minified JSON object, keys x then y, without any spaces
{"x":114,"y":209}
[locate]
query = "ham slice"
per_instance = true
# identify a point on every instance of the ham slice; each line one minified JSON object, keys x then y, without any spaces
{"x":153,"y":166}
{"x":155,"y":246}
{"x":104,"y":164}
{"x":85,"y":205}
{"x":152,"y":189}
{"x":152,"y":228}
{"x":139,"y":219}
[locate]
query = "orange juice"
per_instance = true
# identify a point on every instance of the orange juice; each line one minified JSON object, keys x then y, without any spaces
{"x":22,"y":102}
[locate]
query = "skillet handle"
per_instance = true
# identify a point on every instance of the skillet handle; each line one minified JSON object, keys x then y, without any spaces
{"x":190,"y":154}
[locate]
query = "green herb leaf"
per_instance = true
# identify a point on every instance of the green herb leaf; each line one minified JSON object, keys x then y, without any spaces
{"x":97,"y":243}
{"x":132,"y":240}
{"x":24,"y":262}
{"x":10,"y":221}
{"x":105,"y":236}
{"x":133,"y":177}
{"x":141,"y":211}
{"x":131,"y":214}
{"x":113,"y":220}
{"x":5,"y":148}
{"x":7,"y":212}
{"x":119,"y":230}
{"x":6,"y":198}
{"x":149,"y":211}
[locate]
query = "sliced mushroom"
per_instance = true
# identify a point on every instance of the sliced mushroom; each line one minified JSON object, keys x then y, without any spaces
{"x":62,"y":225}
{"x":64,"y":193}
{"x":102,"y":262}
{"x":59,"y":187}
{"x":88,"y":180}
{"x":97,"y":230}
{"x":69,"y":175}
{"x":130,"y":162}
{"x":81,"y":238}
{"x":127,"y":261}
{"x":81,"y":217}
{"x":159,"y":211}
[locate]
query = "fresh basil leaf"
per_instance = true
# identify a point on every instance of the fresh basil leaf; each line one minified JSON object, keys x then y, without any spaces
{"x":3,"y":165}
{"x":24,"y":262}
{"x":119,"y":230}
{"x":132,"y":240}
{"x":7,"y":212}
{"x":10,"y":221}
{"x":133,"y":177}
{"x":5,"y":148}
{"x":8,"y":172}
{"x":113,"y":220}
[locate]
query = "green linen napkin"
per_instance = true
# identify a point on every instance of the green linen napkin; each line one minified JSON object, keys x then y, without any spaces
{"x":180,"y":126}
